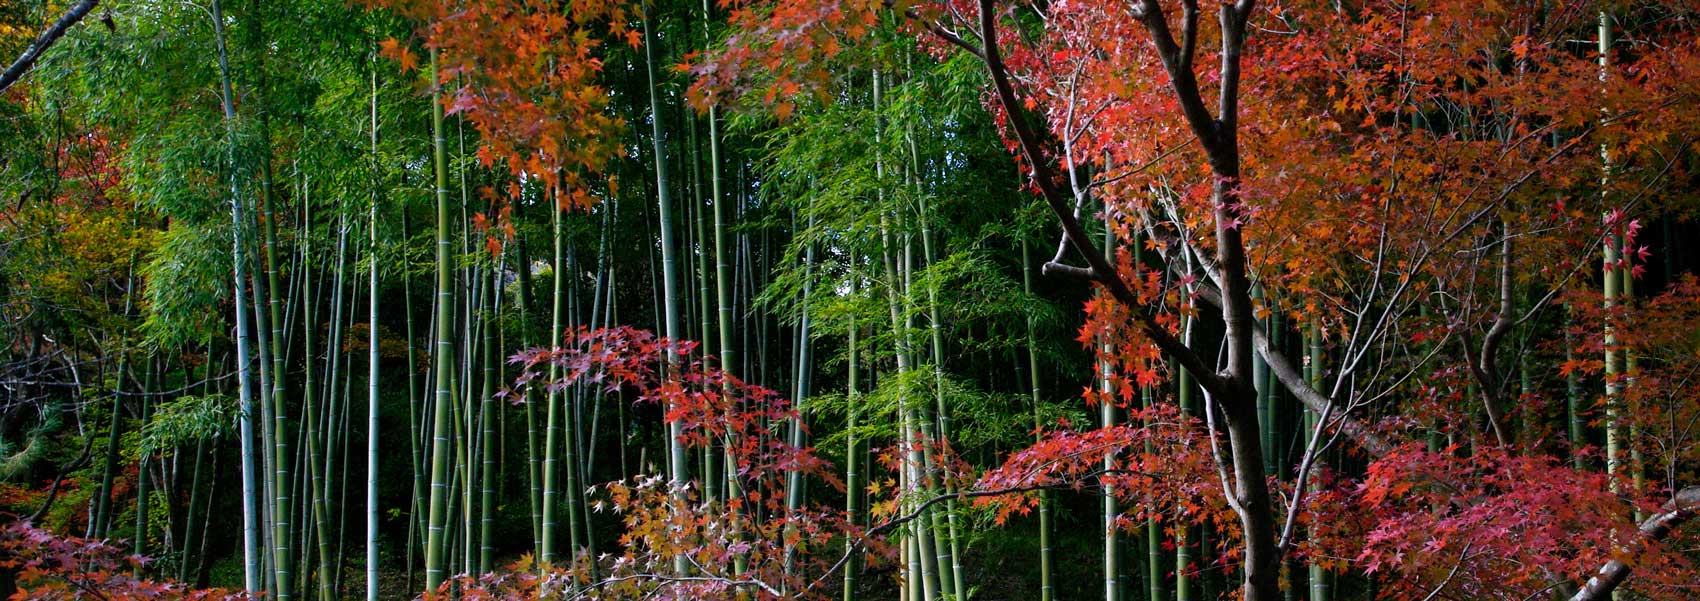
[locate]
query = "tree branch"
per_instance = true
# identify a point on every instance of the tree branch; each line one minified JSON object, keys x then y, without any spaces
{"x":944,"y":34}
{"x":1485,"y":367}
{"x":1068,"y":271}
{"x":1228,"y":99}
{"x":47,"y":38}
{"x":1294,"y":381}
{"x":59,"y":477}
{"x":1675,"y":512}
{"x":1181,"y":77}
{"x":1045,"y":180}
{"x":857,"y":544}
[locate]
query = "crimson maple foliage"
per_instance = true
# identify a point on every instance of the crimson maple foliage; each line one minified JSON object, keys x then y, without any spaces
{"x":48,"y":566}
{"x":784,"y":553}
{"x":1490,"y":525}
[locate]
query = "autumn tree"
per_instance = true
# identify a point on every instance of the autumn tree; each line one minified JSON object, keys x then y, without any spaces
{"x":1329,"y":155}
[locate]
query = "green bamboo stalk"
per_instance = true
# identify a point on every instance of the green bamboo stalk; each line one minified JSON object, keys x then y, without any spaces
{"x":436,"y":537}
{"x":804,"y":370}
{"x":1271,"y":424}
{"x":677,"y":460}
{"x":415,"y":417}
{"x":1265,"y":385}
{"x":195,"y":486}
{"x":552,"y":427}
{"x":803,"y":363}
{"x":466,"y":447}
{"x":466,"y":432}
{"x":263,"y":295}
{"x":460,"y":484}
{"x":933,"y":576}
{"x":1631,"y":365}
{"x":1319,"y":588}
{"x":573,"y":456}
{"x":274,"y":344}
{"x":372,"y":362}
{"x":1573,"y":398}
{"x":282,"y":478}
{"x":1526,"y":390}
{"x":922,"y":559}
{"x":204,"y":453}
{"x":1047,"y":563}
{"x":533,"y":455}
{"x":1185,"y":534}
{"x":338,"y":389}
{"x":345,"y":424}
{"x":723,"y":277}
{"x":600,"y":316}
{"x":103,"y":508}
{"x":310,"y":418}
{"x":251,"y":563}
{"x":199,"y":571}
{"x":487,"y":417}
{"x":852,"y":455}
{"x":302,"y":514}
{"x":952,"y":579}
{"x":669,"y":248}
{"x":577,"y":465}
{"x":1154,"y":552}
{"x":707,"y":306}
{"x":333,"y":358}
{"x":699,"y":240}
{"x":922,"y":578}
{"x":1153,"y":529}
{"x":139,"y":546}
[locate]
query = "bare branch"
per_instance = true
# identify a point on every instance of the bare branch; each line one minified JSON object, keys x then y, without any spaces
{"x":1060,"y":205}
{"x":1181,"y":78}
{"x":1069,"y":271}
{"x":47,"y":38}
{"x":945,"y":34}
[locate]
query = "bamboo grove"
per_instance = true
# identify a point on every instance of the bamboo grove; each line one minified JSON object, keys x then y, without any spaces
{"x":849,"y":299}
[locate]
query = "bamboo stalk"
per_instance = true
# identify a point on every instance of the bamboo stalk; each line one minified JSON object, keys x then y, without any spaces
{"x":372,"y":463}
{"x":251,"y":562}
{"x":1047,"y":562}
{"x":677,"y":460}
{"x":436,"y":536}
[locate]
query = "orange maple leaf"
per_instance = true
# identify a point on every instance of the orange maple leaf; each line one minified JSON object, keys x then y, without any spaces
{"x":401,"y":54}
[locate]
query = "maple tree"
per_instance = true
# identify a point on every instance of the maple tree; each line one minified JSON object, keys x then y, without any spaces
{"x":1339,"y":158}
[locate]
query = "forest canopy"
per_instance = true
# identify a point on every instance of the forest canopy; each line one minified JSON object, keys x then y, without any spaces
{"x":930,"y":300}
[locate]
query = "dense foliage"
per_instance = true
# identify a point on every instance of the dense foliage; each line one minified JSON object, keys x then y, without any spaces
{"x":918,"y":299}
